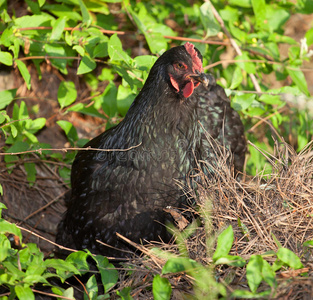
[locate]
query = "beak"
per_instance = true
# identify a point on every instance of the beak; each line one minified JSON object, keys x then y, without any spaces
{"x":202,"y":77}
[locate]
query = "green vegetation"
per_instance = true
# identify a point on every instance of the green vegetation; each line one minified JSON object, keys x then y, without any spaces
{"x":97,"y":39}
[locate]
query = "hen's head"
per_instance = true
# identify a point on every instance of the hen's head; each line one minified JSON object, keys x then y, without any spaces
{"x":182,"y":68}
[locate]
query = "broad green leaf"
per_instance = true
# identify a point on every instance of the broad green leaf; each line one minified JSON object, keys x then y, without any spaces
{"x":34,"y":21}
{"x":242,"y":102}
{"x":244,"y":294}
{"x":271,"y":99}
{"x":254,"y":272}
{"x":259,"y":9}
{"x":179,"y":264}
{"x":161,"y":288}
{"x":86,"y":65}
{"x":208,"y":20}
{"x":5,"y":246}
{"x":35,"y":125}
{"x":289,"y":258}
{"x":237,"y":78}
{"x":6,"y":227}
{"x":109,"y":100}
{"x":224,"y":243}
{"x":92,"y":287}
{"x":6,"y":97}
{"x":67,"y":93}
{"x":309,"y":37}
{"x":308,"y":243}
{"x":116,"y":51}
{"x":69,"y":130}
{"x":243,"y":62}
{"x":60,"y":265}
{"x":6,"y":58}
{"x":24,"y":292}
{"x":268,"y":274}
{"x":58,"y":28}
{"x":79,"y":259}
{"x":19,"y":146}
{"x":57,"y":51}
{"x":86,"y":17}
{"x":240,"y":3}
{"x":125,"y":293}
{"x":24,"y":71}
{"x":298,"y":78}
{"x":124,"y":99}
{"x":109,"y":275}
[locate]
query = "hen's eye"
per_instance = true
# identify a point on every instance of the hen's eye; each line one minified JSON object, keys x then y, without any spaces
{"x":181,"y":66}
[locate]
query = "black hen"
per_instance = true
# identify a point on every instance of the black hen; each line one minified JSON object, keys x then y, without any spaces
{"x":126,"y":191}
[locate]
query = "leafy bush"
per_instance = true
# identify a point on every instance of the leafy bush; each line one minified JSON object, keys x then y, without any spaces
{"x":97,"y":38}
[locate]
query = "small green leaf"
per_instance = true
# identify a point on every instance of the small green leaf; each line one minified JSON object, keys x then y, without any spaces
{"x":69,"y":130}
{"x":5,"y":247}
{"x":231,"y":260}
{"x":1,"y":190}
{"x":109,"y":275}
{"x":208,"y":20}
{"x":237,"y":78}
{"x":125,"y":293}
{"x":259,"y":9}
{"x":92,"y":287}
{"x":124,"y":99}
{"x":86,"y":65}
{"x":86,"y":17}
{"x":224,"y":243}
{"x":268,"y":274}
{"x":24,"y":292}
{"x":116,"y":51}
{"x":24,"y":71}
{"x":58,"y":28}
{"x":298,"y":78}
{"x":179,"y":264}
{"x":6,"y":58}
{"x":30,"y":169}
{"x":289,"y":258}
{"x":67,"y":93}
{"x":244,"y":63}
{"x":6,"y":227}
{"x":242,"y":102}
{"x":161,"y":288}
{"x":254,"y":272}
{"x":6,"y":97}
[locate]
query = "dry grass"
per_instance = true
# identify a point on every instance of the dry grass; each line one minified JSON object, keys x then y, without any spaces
{"x":273,"y":211}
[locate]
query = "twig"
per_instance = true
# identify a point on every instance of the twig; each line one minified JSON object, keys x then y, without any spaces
{"x":70,"y":148}
{"x":233,"y":43}
{"x":177,"y":38}
{"x":51,"y":295}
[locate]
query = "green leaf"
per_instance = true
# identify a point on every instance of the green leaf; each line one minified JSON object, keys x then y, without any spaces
{"x":231,"y":260}
{"x":254,"y":272}
{"x":6,"y":227}
{"x":268,"y":274}
{"x":6,"y":97}
{"x":259,"y":9}
{"x":109,"y":275}
{"x":116,"y":51}
{"x":289,"y":258}
{"x":125,"y":293}
{"x":5,"y":247}
{"x":161,"y":288}
{"x":1,"y":192}
{"x":236,"y":79}
{"x":179,"y":264}
{"x":79,"y":259}
{"x":92,"y":287}
{"x":33,"y":21}
{"x":243,"y":62}
{"x":86,"y":65}
{"x":298,"y":78}
{"x":242,"y":102}
{"x":109,"y":100}
{"x":24,"y":71}
{"x":240,"y":3}
{"x":69,"y":130}
{"x":309,"y":37}
{"x":271,"y":99}
{"x":224,"y":243}
{"x":30,"y":169}
{"x":208,"y":20}
{"x":67,"y":93}
{"x":35,"y":125}
{"x":86,"y":17}
{"x":124,"y":99}
{"x":24,"y":292}
{"x":6,"y":58}
{"x":58,"y":28}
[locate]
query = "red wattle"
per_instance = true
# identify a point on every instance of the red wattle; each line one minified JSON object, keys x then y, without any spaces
{"x":188,"y":89}
{"x":174,"y":83}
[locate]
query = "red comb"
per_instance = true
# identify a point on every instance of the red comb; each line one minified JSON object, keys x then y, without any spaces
{"x":190,"y":48}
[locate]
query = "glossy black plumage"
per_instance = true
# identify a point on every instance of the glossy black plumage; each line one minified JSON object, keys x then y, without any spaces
{"x":126,"y":191}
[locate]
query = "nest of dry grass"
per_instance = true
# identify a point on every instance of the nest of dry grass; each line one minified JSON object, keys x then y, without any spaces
{"x":266,"y":212}
{"x":273,"y":211}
